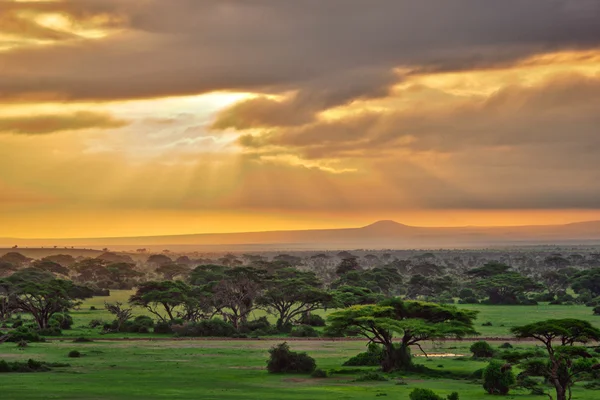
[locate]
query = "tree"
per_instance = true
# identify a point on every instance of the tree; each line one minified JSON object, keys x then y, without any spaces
{"x":346,"y":265}
{"x":507,"y":288}
{"x":65,"y":260}
{"x":384,"y":280}
{"x":16,"y":259}
{"x":414,"y":321}
{"x":346,"y":296}
{"x":167,"y":295}
{"x":170,"y":271}
{"x":157,"y":260}
{"x":50,"y":266}
{"x":588,"y":279}
{"x":122,"y":273}
{"x":122,"y":314}
{"x":559,"y":337}
{"x":489,"y":269}
{"x":498,"y":378}
{"x":235,"y":293}
{"x":41,"y":297}
{"x":290,"y":293}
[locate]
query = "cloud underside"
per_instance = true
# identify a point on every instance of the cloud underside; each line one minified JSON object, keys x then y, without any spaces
{"x":345,"y":114}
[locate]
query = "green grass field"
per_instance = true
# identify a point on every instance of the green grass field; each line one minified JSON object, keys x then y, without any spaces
{"x":222,"y":369}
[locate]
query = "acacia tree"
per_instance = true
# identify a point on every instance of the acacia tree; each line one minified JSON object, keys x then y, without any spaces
{"x":170,"y":271}
{"x":290,"y":293}
{"x":122,"y":314}
{"x":559,"y":337}
{"x":42,"y":297}
{"x":167,"y":295}
{"x":235,"y":294}
{"x":507,"y":287}
{"x":414,"y":321}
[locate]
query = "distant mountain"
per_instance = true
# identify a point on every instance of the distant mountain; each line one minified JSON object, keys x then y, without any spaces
{"x":381,"y":234}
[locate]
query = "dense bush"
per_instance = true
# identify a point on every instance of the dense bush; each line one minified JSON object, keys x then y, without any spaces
{"x":427,"y":394}
{"x":312,"y":320}
{"x":214,"y":327}
{"x":260,"y":325}
{"x":95,"y":323}
{"x":304,"y":331}
{"x":482,"y":349}
{"x":498,"y":378}
{"x":597,"y":310}
{"x":371,"y":376}
{"x":283,"y":360}
{"x":29,"y":366}
{"x":141,"y":324}
{"x":74,"y":354}
{"x":163,"y":327}
{"x":61,"y":320}
{"x":24,"y":334}
{"x":51,"y":331}
{"x":371,"y":358}
{"x":319,"y":373}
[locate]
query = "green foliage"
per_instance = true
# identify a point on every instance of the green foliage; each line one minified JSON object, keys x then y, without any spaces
{"x":61,"y":320}
{"x":498,"y":378}
{"x":304,"y":331}
{"x":74,"y":354}
{"x":162,"y":327}
{"x":319,"y":373}
{"x":371,"y":358}
{"x":482,"y":349}
{"x":312,"y":320}
{"x":428,"y":394}
{"x":24,"y":333}
{"x":283,"y":360}
{"x":207,"y":328}
{"x":507,"y":288}
{"x":371,"y":376}
{"x":28,"y":366}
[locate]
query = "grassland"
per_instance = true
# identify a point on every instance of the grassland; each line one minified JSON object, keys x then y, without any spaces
{"x":222,"y":369}
{"x":501,"y":317}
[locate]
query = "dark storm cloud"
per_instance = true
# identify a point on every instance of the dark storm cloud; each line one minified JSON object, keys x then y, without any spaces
{"x":194,"y":46}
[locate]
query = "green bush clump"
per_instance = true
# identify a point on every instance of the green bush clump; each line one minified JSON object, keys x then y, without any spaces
{"x":482,"y":349}
{"x":50,"y":331}
{"x":259,"y":327}
{"x":74,"y":354}
{"x":371,"y":376}
{"x":141,"y":324}
{"x":506,"y":345}
{"x":498,"y":378}
{"x":163,"y":327}
{"x":304,"y":331}
{"x":61,"y":321}
{"x":371,"y":358}
{"x":95,"y":323}
{"x":208,"y":328}
{"x":428,"y":394}
{"x":29,"y":366}
{"x":319,"y":373}
{"x":24,"y":334}
{"x":312,"y":320}
{"x":283,"y":360}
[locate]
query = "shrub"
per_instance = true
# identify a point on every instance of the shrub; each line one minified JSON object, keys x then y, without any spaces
{"x":597,"y":310}
{"x":162,"y":327}
{"x":24,"y":334}
{"x":304,"y":331}
{"x":74,"y":354}
{"x":498,"y":378}
{"x":487,"y":324}
{"x":312,"y":320}
{"x":213,"y":328}
{"x":93,"y":308}
{"x":141,"y":324}
{"x":371,"y":358}
{"x":51,"y":331}
{"x":371,"y":376}
{"x":283,"y":360}
{"x":29,"y":366}
{"x":423,"y":394}
{"x":319,"y":373}
{"x":95,"y":323}
{"x":61,"y":320}
{"x":506,"y":345}
{"x":258,"y":327}
{"x":18,"y":323}
{"x":482,"y":349}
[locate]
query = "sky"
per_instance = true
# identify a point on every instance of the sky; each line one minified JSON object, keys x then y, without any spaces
{"x":148,"y":117}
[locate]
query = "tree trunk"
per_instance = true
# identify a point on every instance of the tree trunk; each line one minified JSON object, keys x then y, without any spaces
{"x":561,"y":393}
{"x":396,"y":358}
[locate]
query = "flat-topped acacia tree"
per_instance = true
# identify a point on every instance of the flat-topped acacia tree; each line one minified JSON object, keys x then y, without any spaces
{"x":411,"y":321}
{"x":566,"y":360}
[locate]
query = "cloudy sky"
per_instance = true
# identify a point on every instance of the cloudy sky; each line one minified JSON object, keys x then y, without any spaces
{"x":141,"y":117}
